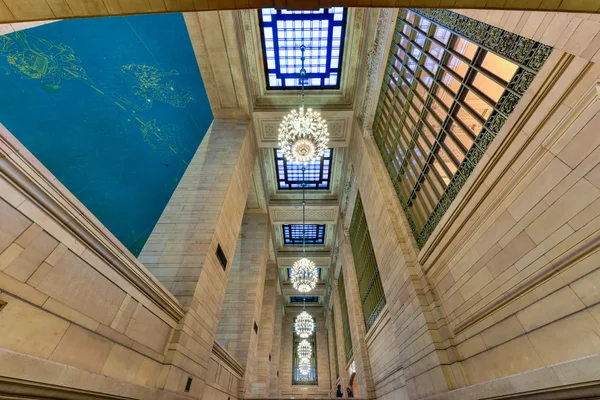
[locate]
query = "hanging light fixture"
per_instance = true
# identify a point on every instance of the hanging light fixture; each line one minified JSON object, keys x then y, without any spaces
{"x":303,"y":134}
{"x":304,"y":366}
{"x":304,"y":349}
{"x":304,"y":275}
{"x":304,"y":325}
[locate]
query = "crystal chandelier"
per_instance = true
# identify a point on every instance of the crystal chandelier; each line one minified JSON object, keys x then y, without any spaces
{"x":304,"y":275}
{"x":304,"y":349}
{"x":304,"y":366}
{"x":304,"y":325}
{"x":303,"y":134}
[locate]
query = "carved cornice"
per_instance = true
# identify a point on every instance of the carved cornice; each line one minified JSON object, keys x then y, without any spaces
{"x":21,"y":169}
{"x":12,"y":388}
{"x":223,"y":355}
{"x":375,"y":65}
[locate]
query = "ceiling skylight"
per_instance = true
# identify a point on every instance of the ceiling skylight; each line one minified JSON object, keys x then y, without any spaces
{"x":322,"y":32}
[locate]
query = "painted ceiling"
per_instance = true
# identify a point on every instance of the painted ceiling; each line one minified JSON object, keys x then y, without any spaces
{"x":114,"y":107}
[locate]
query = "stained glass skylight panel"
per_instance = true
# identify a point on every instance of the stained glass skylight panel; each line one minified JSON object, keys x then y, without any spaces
{"x":318,"y":273}
{"x":304,"y":299}
{"x":313,"y":233}
{"x":316,"y":175}
{"x":322,"y":31}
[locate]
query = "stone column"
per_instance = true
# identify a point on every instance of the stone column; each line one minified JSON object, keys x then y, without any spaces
{"x":275,"y":382}
{"x":357,"y":322}
{"x":411,"y":303}
{"x":339,"y":338}
{"x":204,"y":213}
{"x":244,"y":296}
{"x":331,"y":348}
{"x":264,"y":356}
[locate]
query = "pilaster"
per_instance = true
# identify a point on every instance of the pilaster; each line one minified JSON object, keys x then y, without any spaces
{"x":204,"y":213}
{"x":408,"y":292}
{"x":264,"y":356}
{"x":333,"y":372}
{"x":339,"y":338}
{"x":244,"y":295}
{"x":275,"y":382}
{"x":358,"y":330}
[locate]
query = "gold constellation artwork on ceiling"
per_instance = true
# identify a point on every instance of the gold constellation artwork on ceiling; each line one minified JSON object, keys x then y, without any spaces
{"x":38,"y":59}
{"x":152,"y":85}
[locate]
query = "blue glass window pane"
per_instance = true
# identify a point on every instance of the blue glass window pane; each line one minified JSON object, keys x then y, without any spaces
{"x":316,"y":174}
{"x":304,"y":299}
{"x":318,"y":274}
{"x":321,"y":31}
{"x":313,"y":233}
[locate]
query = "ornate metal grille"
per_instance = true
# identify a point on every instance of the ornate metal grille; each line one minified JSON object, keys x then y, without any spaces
{"x":312,"y":377}
{"x":322,"y":31}
{"x":372,"y":297}
{"x":450,"y":84}
{"x":345,"y":318}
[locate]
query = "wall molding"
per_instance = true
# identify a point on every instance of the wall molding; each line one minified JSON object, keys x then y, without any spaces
{"x":27,"y":175}
{"x":532,"y":282}
{"x":12,"y":388}
{"x":438,"y":244}
{"x":222,"y":354}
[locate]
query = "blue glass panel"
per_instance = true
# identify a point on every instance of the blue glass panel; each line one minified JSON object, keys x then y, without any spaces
{"x":321,"y":31}
{"x":316,"y":174}
{"x":318,"y":273}
{"x":304,"y":299}
{"x":313,"y":233}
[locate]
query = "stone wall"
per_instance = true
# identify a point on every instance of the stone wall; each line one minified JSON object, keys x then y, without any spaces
{"x":506,"y":287}
{"x":81,"y":312}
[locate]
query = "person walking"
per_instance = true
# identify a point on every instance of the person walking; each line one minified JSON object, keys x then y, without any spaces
{"x":350,"y":393}
{"x":339,"y":392}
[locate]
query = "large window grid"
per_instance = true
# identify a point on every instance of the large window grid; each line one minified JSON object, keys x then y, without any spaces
{"x":312,"y":377}
{"x":322,"y":31}
{"x":445,"y":96}
{"x":345,"y":318}
{"x":316,"y":174}
{"x":370,"y":288}
{"x":299,"y":234}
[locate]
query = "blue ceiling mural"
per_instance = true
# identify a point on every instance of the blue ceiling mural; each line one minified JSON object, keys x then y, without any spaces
{"x":114,"y":107}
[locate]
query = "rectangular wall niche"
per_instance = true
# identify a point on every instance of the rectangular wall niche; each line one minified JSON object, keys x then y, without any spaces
{"x":222,"y":258}
{"x":450,"y":84}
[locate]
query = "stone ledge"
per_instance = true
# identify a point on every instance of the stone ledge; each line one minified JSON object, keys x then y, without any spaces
{"x":30,"y":177}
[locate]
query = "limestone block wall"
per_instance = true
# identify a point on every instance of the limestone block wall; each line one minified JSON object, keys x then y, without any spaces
{"x":242,"y":304}
{"x":287,"y":389}
{"x":518,"y":280}
{"x":507,"y":284}
{"x":223,"y":377}
{"x":275,"y":381}
{"x":81,"y":312}
{"x":76,"y":299}
{"x":266,"y":334}
{"x":204,"y":214}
